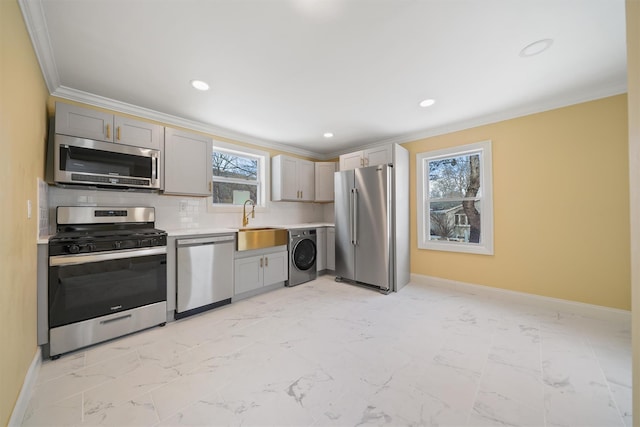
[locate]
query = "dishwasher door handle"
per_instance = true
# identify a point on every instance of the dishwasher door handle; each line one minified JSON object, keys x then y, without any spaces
{"x":205,"y":241}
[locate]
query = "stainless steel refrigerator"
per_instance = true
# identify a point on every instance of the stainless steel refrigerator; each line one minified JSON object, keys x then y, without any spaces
{"x":372,"y":226}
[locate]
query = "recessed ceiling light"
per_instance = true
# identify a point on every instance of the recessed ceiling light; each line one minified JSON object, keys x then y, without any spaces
{"x":328,"y":135}
{"x":427,"y":102}
{"x":536,"y":48}
{"x":199,"y":84}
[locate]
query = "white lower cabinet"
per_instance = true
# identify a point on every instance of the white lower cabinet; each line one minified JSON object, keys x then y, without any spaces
{"x":325,"y":249}
{"x":276,"y":268}
{"x":260,"y":270}
{"x":331,"y":248}
{"x":321,"y":248}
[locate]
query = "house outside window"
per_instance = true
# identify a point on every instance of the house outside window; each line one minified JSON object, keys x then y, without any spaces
{"x":455,"y":204}
{"x":239,"y":174}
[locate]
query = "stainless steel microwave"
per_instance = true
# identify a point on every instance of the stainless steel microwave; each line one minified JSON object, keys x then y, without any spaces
{"x":104,"y":164}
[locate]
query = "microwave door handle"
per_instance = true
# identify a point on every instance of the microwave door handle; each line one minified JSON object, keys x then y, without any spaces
{"x":155,"y":168}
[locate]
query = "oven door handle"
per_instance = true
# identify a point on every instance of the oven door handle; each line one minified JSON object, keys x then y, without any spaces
{"x":59,"y":260}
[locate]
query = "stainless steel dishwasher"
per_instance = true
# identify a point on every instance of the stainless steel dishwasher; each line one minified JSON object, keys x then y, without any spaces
{"x":205,"y":273}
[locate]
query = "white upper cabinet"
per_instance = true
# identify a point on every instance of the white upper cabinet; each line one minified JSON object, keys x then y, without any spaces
{"x":187,"y":163}
{"x":378,"y":156}
{"x":292,"y":179}
{"x":351,"y":160}
{"x":137,"y":133}
{"x":83,"y":122}
{"x":324,"y":181}
{"x":369,"y":157}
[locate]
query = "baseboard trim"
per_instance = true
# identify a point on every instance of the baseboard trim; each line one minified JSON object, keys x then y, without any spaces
{"x":567,"y":306}
{"x":28,"y":385}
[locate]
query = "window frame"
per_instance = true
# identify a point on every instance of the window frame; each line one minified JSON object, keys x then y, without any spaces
{"x":485,"y":247}
{"x":264,"y":173}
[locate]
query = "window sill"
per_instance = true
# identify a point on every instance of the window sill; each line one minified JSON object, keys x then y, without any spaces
{"x":436,"y":245}
{"x":211,"y":208}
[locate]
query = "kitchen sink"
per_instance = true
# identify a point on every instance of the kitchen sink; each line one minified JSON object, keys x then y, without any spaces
{"x":261,"y":237}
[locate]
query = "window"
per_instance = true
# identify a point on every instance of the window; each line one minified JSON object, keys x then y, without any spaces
{"x":238,"y":174}
{"x":455,"y":206}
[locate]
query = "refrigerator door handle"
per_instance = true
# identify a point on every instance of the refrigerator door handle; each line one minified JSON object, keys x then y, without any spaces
{"x":351,"y":215}
{"x":355,"y":216}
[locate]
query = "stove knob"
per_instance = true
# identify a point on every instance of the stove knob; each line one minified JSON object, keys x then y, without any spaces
{"x":73,"y":249}
{"x":117,"y":245}
{"x":91,"y":247}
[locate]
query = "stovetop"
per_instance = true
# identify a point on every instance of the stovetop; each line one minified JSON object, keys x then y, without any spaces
{"x":99,"y":234}
{"x":89,"y":241}
{"x":87,"y":229}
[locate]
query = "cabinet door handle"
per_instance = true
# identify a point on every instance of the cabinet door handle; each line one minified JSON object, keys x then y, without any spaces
{"x":118,"y":133}
{"x":210,"y":186}
{"x":108,"y":131}
{"x":261,"y":260}
{"x":266,"y":261}
{"x":301,"y":194}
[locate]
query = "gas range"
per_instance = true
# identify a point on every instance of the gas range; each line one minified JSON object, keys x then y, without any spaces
{"x":107,"y":275}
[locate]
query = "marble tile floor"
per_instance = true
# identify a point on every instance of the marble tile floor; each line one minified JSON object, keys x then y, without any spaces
{"x":332,"y":354}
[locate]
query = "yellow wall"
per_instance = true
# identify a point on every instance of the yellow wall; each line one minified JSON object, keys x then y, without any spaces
{"x":561,"y":206}
{"x":633,"y":79}
{"x":23,"y":97}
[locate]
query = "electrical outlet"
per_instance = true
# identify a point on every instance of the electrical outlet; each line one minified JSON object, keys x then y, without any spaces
{"x":28,"y":209}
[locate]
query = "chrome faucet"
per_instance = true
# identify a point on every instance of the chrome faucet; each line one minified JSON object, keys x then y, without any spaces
{"x":245,"y":216}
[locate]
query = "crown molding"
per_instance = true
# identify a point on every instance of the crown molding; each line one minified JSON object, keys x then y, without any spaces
{"x":36,"y":24}
{"x":110,"y":104}
{"x":513,"y":113}
{"x":123,"y":107}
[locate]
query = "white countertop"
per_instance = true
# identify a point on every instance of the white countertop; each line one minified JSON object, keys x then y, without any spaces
{"x":200,"y":231}
{"x":308,"y":225}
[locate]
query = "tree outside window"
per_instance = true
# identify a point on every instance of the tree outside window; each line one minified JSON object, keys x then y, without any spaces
{"x":455,"y":213}
{"x":236,"y":177}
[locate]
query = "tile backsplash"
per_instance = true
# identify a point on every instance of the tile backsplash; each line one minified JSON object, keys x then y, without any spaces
{"x":182,"y":212}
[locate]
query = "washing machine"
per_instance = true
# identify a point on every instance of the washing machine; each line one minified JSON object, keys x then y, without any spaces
{"x":302,"y":256}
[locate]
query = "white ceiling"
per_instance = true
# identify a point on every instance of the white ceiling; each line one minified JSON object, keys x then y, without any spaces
{"x":286,"y":71}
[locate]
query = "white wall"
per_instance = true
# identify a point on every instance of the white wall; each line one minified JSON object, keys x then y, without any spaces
{"x":180,"y":212}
